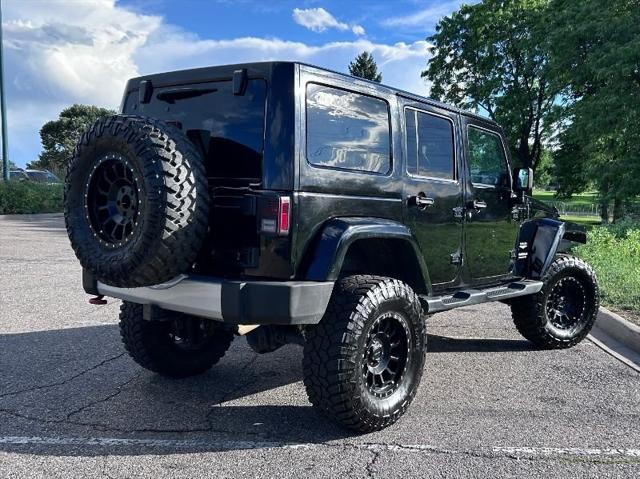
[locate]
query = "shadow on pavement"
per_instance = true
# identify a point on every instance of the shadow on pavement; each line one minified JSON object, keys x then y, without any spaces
{"x":443,"y":344}
{"x":79,"y":382}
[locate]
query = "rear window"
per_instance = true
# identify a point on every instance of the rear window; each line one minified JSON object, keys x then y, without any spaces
{"x":347,"y":130}
{"x":429,"y":145}
{"x":228,"y":128}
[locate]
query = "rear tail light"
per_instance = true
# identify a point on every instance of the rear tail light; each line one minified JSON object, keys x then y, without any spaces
{"x":276,"y":216}
{"x":284,"y":213}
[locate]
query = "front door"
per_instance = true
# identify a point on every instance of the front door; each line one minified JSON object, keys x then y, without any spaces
{"x":490,"y":226}
{"x":433,"y":191}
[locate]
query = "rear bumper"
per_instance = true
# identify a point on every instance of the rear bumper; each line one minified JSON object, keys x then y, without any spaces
{"x":234,"y":302}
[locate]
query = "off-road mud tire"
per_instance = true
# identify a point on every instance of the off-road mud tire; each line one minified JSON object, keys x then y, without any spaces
{"x":171,"y":217}
{"x":150,"y":344}
{"x":336,"y":348}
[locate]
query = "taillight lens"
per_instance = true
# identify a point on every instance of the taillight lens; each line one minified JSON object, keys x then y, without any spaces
{"x":276,"y":216}
{"x":284,"y":214}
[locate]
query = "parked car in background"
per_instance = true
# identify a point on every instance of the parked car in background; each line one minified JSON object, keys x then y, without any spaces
{"x":42,"y":176}
{"x":17,"y":175}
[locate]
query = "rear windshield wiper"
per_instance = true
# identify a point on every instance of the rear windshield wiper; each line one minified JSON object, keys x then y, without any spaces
{"x":170,"y":96}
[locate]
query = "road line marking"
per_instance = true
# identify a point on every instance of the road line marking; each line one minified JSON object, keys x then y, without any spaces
{"x":235,"y":445}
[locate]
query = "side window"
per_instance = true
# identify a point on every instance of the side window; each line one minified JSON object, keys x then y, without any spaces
{"x":429,"y":145}
{"x":487,"y":163}
{"x":347,"y":130}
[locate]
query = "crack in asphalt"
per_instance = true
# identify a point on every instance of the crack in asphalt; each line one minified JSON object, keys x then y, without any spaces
{"x":101,"y":427}
{"x":63,"y":382}
{"x":67,"y":419}
{"x":371,"y":465}
{"x":119,"y":389}
{"x":104,"y":399}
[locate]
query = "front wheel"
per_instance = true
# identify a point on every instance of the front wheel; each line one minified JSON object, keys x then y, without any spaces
{"x":563,"y":312}
{"x":363,"y":362}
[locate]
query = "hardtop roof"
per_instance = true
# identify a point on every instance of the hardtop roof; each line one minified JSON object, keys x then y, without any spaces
{"x":263,"y":67}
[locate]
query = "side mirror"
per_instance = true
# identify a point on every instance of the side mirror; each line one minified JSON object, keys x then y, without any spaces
{"x":523,"y":180}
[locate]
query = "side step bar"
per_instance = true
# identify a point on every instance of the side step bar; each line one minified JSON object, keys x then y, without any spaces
{"x":468,"y":297}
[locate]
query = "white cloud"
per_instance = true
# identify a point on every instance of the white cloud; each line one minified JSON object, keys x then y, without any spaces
{"x":358,"y":30}
{"x":84,"y":52}
{"x":400,"y":63}
{"x":320,"y":20}
{"x":68,"y":52}
{"x":317,"y":19}
{"x":425,"y":18}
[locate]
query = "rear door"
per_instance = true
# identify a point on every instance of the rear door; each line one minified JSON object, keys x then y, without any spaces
{"x":490,"y":223}
{"x":433,"y":191}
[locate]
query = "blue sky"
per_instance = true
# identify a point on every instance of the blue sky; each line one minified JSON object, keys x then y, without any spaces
{"x":59,"y":52}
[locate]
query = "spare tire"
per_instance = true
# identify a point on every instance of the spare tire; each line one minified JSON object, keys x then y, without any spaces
{"x":136,"y":201}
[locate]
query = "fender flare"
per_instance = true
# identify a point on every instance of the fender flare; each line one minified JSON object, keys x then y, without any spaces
{"x":539,"y":241}
{"x":326,"y":254}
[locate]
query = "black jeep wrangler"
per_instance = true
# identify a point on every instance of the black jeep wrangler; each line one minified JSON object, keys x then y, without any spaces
{"x":292,"y":204}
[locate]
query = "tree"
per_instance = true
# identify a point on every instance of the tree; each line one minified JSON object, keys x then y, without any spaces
{"x":60,"y":136}
{"x":364,"y":66}
{"x":595,"y":57}
{"x":492,"y":57}
{"x":12,"y":166}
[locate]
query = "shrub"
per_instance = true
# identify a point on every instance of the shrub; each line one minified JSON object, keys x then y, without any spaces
{"x":30,"y":197}
{"x":614,"y":252}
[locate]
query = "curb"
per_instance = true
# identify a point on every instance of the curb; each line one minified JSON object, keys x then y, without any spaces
{"x":618,"y":337}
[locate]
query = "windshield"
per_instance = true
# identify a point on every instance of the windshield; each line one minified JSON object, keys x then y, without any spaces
{"x":228,"y":128}
{"x":17,"y":175}
{"x":42,"y":177}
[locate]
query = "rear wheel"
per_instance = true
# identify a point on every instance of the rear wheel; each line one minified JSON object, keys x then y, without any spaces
{"x":176,"y":345}
{"x":363,"y":362}
{"x":563,"y":312}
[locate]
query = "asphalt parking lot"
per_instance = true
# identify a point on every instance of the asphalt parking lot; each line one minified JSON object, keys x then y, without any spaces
{"x":72,"y":403}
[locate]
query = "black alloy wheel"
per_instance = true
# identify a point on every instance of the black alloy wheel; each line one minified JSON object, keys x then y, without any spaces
{"x":113,"y":200}
{"x":190,"y":333}
{"x":566,"y":304}
{"x":386,"y":352}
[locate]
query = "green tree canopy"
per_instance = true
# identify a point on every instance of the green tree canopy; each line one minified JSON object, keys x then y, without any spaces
{"x":595,"y":50}
{"x":60,"y":136}
{"x":364,"y":66}
{"x":492,"y":57}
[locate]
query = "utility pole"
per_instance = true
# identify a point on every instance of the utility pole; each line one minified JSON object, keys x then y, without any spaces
{"x":3,"y":108}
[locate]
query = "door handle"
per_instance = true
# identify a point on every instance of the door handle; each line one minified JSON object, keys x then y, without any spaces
{"x":478,"y":204}
{"x":421,"y":201}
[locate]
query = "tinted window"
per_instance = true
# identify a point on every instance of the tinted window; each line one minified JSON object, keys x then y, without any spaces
{"x":429,"y":145}
{"x":487,"y":162}
{"x":347,"y":130}
{"x":228,"y":128}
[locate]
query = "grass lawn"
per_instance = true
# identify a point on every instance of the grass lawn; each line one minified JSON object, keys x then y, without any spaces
{"x":581,"y":199}
{"x":614,"y":252}
{"x":588,"y":221}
